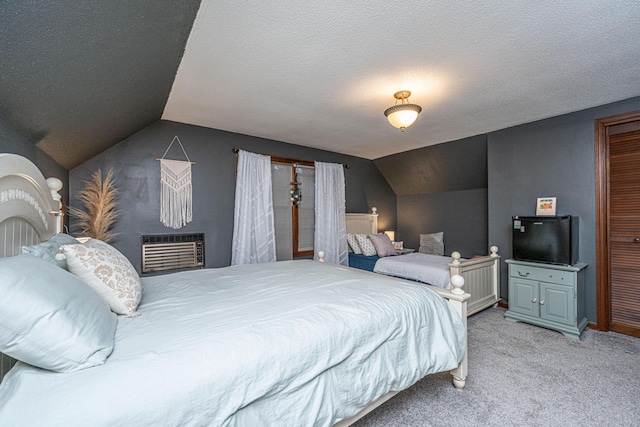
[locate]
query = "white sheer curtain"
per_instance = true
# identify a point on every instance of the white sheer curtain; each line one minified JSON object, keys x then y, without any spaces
{"x":254,"y":237}
{"x":331,"y":225}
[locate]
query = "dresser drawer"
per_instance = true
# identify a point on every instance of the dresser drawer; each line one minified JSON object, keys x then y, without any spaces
{"x":541,"y":274}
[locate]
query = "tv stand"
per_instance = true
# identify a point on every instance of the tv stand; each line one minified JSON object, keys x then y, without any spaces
{"x":547,"y":295}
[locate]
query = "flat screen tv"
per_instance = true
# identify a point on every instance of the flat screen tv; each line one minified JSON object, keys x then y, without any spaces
{"x":547,"y":239}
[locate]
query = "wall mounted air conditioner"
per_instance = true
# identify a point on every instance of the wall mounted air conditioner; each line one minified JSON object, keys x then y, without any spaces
{"x":172,"y":252}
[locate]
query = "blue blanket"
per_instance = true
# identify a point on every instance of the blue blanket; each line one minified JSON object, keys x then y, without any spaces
{"x":362,"y":262}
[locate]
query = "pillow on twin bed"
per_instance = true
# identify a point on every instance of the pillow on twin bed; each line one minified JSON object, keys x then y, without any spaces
{"x":107,"y":272}
{"x":50,"y":319}
{"x":432,"y":243}
{"x":49,"y":249}
{"x":366,"y":245}
{"x":383,"y":245}
{"x":353,"y":243}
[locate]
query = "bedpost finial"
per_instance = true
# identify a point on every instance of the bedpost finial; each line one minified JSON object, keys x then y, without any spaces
{"x":494,"y":251}
{"x":55,"y":185}
{"x":456,"y":258}
{"x":321,"y":256}
{"x":457,"y":282}
{"x":374,"y":210}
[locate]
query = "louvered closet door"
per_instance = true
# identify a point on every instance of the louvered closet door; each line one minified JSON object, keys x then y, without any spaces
{"x":624,"y":231}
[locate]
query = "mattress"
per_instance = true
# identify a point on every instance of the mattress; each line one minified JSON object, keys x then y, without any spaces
{"x":287,"y":343}
{"x":425,"y":268}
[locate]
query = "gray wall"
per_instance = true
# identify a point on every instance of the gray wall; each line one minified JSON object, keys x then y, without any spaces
{"x":15,"y":142}
{"x":460,"y":215}
{"x":442,"y":188}
{"x":138,"y":181}
{"x":552,"y":157}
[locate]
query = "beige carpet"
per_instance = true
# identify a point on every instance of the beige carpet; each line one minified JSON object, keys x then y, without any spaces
{"x":523,"y":375}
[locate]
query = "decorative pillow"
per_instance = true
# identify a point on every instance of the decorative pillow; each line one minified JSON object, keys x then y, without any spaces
{"x":383,"y":245}
{"x":49,"y":249}
{"x":432,"y":243}
{"x":365,"y":245}
{"x":108,"y":272}
{"x":353,"y":243}
{"x":50,"y":319}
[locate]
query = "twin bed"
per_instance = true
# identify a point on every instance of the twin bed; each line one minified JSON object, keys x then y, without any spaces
{"x":481,"y":273}
{"x":286,"y":343}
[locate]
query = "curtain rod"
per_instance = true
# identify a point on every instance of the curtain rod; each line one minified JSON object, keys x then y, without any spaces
{"x":236,"y":150}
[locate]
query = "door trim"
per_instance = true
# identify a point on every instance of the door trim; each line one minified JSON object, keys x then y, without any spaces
{"x":603,"y":284}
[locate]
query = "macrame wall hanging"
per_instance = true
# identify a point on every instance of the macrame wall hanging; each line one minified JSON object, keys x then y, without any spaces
{"x":175,"y":191}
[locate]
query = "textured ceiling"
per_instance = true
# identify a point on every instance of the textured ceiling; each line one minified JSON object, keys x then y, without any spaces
{"x":79,"y":77}
{"x":322,"y":73}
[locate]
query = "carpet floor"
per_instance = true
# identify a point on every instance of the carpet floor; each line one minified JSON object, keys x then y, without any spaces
{"x":523,"y":375}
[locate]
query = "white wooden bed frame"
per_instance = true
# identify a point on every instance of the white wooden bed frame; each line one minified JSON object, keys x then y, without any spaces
{"x":458,"y":298}
{"x":481,"y":274}
{"x":30,"y":212}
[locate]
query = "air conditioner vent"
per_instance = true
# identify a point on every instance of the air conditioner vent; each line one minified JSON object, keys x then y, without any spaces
{"x":172,"y":252}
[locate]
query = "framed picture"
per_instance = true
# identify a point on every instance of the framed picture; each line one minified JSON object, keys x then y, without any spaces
{"x":546,"y":206}
{"x":398,"y":245}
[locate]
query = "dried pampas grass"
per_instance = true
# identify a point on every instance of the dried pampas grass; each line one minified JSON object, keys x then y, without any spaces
{"x":99,"y":198}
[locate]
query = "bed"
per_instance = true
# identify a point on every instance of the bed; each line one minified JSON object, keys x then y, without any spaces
{"x":481,"y":273}
{"x":286,"y":343}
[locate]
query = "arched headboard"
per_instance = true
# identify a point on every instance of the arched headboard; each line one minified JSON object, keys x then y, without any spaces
{"x":30,"y":212}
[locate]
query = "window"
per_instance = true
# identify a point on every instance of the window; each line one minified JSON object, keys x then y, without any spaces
{"x":294,"y":222}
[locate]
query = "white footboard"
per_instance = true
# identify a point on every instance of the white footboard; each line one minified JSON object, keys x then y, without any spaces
{"x":481,"y":278}
{"x":458,"y":298}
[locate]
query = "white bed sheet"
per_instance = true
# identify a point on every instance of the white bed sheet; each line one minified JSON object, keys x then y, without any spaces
{"x":288,"y":343}
{"x":426,"y":268}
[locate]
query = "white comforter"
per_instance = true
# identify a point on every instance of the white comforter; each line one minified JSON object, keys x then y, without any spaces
{"x":431,"y":269}
{"x":289,"y":343}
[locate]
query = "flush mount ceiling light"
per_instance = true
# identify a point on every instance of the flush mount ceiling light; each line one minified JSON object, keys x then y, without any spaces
{"x":404,"y":114}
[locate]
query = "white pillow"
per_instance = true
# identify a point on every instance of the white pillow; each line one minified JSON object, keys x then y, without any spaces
{"x":108,"y":272}
{"x":366,"y":245}
{"x":353,"y":243}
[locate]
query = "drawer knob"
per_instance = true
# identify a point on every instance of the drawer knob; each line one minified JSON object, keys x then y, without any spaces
{"x":541,"y":302}
{"x":535,"y":300}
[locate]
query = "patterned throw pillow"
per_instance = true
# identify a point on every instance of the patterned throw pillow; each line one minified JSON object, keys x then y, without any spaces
{"x":383,"y":245}
{"x":366,"y":245}
{"x":108,"y":272}
{"x":432,"y":243}
{"x":353,"y":243}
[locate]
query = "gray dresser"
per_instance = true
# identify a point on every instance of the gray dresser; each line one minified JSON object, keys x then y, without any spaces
{"x":547,"y":295}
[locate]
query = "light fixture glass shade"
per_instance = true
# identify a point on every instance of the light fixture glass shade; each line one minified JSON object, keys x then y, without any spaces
{"x":391,"y":234}
{"x":404,"y":114}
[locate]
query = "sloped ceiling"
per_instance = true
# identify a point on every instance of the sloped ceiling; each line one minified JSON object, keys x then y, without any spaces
{"x":426,"y":170}
{"x":78,"y":77}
